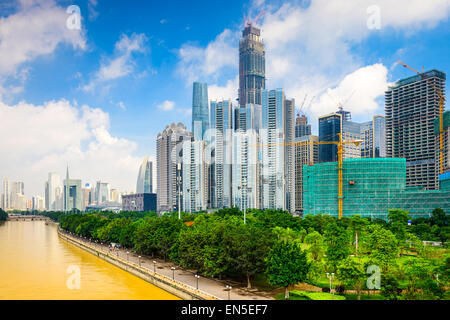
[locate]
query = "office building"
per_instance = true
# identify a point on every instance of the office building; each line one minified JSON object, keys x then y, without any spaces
{"x":278,"y":190}
{"x":330,"y":126}
{"x":169,"y":153}
{"x":306,"y":153}
{"x":102,"y":192}
{"x":72,"y":194}
{"x":221,"y":141}
{"x":194,"y":185}
{"x":252,"y":66}
{"x":373,"y":134}
{"x":88,"y":196}
{"x":145,"y":177}
{"x":38,"y":203}
{"x":54,"y":192}
{"x":446,"y":136}
{"x":412,"y":105}
{"x":139,"y":202}
{"x":6,"y":195}
{"x":200,"y":111}
{"x":302,"y":128}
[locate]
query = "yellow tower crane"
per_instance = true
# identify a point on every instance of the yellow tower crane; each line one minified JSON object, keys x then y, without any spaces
{"x":340,"y":152}
{"x":441,"y":117}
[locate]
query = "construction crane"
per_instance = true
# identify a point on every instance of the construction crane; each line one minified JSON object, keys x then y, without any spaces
{"x":441,"y":117}
{"x":340,"y":147}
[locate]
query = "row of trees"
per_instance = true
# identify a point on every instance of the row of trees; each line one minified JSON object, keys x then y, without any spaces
{"x":287,"y":250}
{"x":3,"y":215}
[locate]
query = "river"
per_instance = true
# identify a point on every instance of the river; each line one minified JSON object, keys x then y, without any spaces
{"x":36,"y":264}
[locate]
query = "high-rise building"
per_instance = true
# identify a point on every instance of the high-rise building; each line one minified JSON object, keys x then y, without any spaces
{"x":373,"y":133}
{"x":412,"y":105}
{"x":221,"y":141}
{"x":169,"y":150}
{"x":102,"y":192}
{"x":53,"y":192}
{"x":115,"y":196}
{"x":446,"y":144}
{"x":17,"y":197}
{"x":330,"y":126}
{"x":6,"y":196}
{"x":145,"y":177}
{"x":302,"y":128}
{"x":38,"y":203}
{"x":200,"y":110}
{"x":252,"y":66}
{"x":72,"y":194}
{"x":277,"y":161}
{"x":88,"y":196}
{"x":195,"y":176}
{"x":306,"y":153}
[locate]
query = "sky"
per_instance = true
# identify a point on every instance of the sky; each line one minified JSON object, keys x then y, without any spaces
{"x":95,"y":97}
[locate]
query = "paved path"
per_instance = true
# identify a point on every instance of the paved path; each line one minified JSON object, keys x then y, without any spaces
{"x":211,"y":286}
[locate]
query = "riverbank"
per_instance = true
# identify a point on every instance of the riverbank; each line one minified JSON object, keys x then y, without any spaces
{"x":172,"y":286}
{"x":211,"y":288}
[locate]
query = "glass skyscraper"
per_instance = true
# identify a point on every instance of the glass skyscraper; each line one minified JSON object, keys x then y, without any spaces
{"x":200,"y":113}
{"x":145,"y":177}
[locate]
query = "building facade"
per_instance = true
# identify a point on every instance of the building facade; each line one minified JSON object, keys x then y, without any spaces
{"x":145,"y":177}
{"x":302,"y":128}
{"x":200,"y":110}
{"x":73,"y":198}
{"x":412,"y":105}
{"x":139,"y":202}
{"x":373,"y":134}
{"x":446,"y":151}
{"x":169,"y":153}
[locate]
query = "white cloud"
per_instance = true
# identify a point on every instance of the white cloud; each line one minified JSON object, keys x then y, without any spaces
{"x":166,"y":105}
{"x":123,"y":63}
{"x":207,"y":63}
{"x":45,"y":138}
{"x":36,"y":29}
{"x":229,"y":91}
{"x":309,"y":50}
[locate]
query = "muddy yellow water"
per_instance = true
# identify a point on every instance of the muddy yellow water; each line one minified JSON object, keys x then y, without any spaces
{"x":36,"y":264}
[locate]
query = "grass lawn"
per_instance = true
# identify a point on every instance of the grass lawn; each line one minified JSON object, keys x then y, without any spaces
{"x":309,"y":295}
{"x":353,"y":296}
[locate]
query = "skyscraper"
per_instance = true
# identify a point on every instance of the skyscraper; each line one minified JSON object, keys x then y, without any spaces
{"x":200,"y":110}
{"x":102,"y":192}
{"x":72,"y":194}
{"x":277,"y":160}
{"x":412,"y":105}
{"x":446,"y":143}
{"x":54,"y":192}
{"x":252,"y":66}
{"x":329,"y":127}
{"x":302,"y":128}
{"x":6,"y":196}
{"x":169,"y":153}
{"x":222,"y":124}
{"x":145,"y":177}
{"x":373,"y":133}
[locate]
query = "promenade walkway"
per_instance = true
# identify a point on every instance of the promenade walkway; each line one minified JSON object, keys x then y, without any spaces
{"x":212,"y":286}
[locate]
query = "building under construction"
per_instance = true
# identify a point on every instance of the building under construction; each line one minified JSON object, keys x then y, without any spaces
{"x":446,"y":136}
{"x":370,"y":188}
{"x":412,"y":105}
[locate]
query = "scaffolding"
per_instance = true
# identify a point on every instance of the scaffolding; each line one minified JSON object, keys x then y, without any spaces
{"x":371,"y":186}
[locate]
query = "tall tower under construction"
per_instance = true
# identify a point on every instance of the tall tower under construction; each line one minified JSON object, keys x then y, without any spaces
{"x":252,"y":66}
{"x":412,"y":105}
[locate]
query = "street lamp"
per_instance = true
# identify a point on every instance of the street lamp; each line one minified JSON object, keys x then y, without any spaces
{"x":127,"y":255}
{"x":229,"y":290}
{"x":197,"y":277}
{"x":331,"y":277}
{"x":139,"y":257}
{"x":154,"y":266}
{"x":179,"y":189}
{"x":189,"y":199}
{"x":173,"y":273}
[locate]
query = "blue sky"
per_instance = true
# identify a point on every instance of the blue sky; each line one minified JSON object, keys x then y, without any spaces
{"x":128,"y":72}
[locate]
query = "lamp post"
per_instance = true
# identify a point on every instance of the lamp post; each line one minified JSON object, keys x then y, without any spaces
{"x":127,"y":255}
{"x":331,"y":277}
{"x":189,"y":199}
{"x":139,"y":258}
{"x":197,"y":277}
{"x":179,"y":189}
{"x":173,"y":273}
{"x":154,"y":266}
{"x":229,"y":290}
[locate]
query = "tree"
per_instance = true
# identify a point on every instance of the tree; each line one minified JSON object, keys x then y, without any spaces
{"x":389,"y":286}
{"x":286,"y":265}
{"x":398,"y":223}
{"x":382,"y":246}
{"x":316,"y":247}
{"x":3,"y":215}
{"x":357,"y":225}
{"x":419,"y":272}
{"x":338,"y":245}
{"x":246,"y":249}
{"x":439,"y":218}
{"x":351,"y":273}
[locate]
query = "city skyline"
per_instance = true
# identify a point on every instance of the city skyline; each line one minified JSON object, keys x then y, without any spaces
{"x":118,"y":126}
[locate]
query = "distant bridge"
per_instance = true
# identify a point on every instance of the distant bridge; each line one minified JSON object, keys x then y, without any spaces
{"x":18,"y":217}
